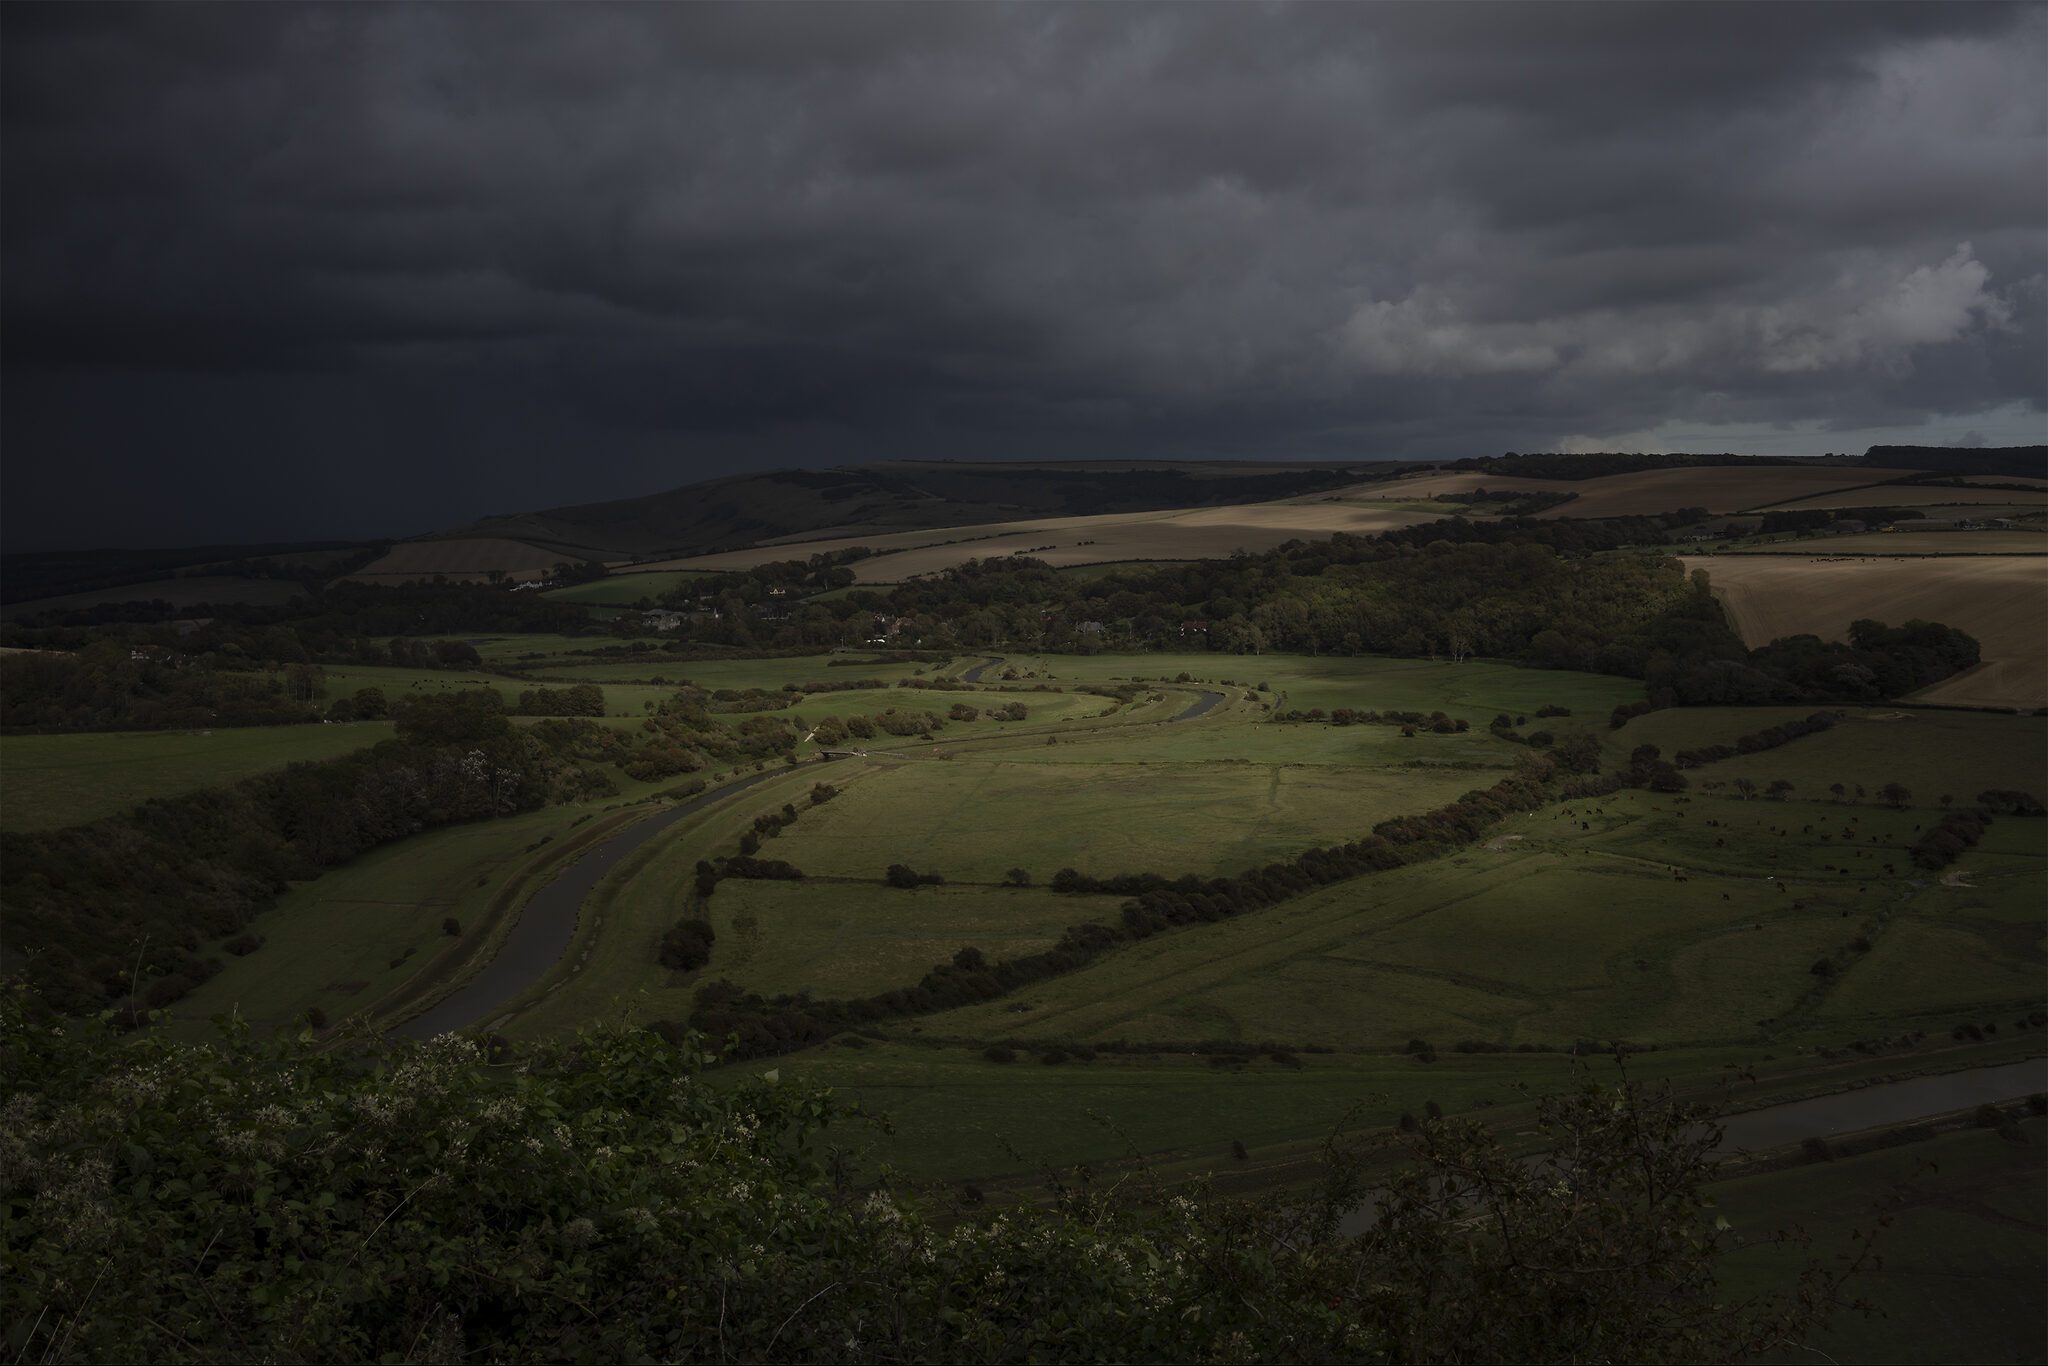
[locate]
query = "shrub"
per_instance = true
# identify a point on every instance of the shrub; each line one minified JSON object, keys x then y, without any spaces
{"x":995,"y":1052}
{"x":687,"y":946}
{"x":451,"y":927}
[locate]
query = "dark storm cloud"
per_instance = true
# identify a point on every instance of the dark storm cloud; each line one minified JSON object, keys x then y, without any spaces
{"x":288,"y":270}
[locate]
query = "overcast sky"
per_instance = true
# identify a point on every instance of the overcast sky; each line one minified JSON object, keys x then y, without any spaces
{"x":277,"y":271}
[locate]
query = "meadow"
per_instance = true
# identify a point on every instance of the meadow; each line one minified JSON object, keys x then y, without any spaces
{"x":1961,"y":1233}
{"x":49,"y":781}
{"x":625,"y":588}
{"x":1690,"y":924}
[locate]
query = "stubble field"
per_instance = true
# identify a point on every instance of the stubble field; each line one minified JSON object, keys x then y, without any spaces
{"x":2002,"y":600}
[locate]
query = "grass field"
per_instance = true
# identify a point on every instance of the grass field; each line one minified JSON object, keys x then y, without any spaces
{"x":358,"y":932}
{"x":179,"y":592}
{"x":48,"y":781}
{"x":2002,"y":600}
{"x":1931,"y":752}
{"x":1692,"y":923}
{"x":1114,"y":812}
{"x":625,"y":588}
{"x":460,"y":559}
{"x":621,"y":699}
{"x":1965,"y":1257}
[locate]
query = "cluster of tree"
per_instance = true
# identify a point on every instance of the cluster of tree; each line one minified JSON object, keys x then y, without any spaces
{"x":364,"y":704}
{"x":833,"y":730}
{"x":1757,"y":741}
{"x":2027,"y":461}
{"x":838,"y":685}
{"x":1410,"y":721}
{"x":1945,"y":843}
{"x":904,"y":876}
{"x":754,"y":869}
{"x":1877,"y":662}
{"x":359,"y":1201}
{"x":108,"y":686}
{"x":687,"y":945}
{"x":578,"y":699}
{"x":1009,"y":711}
{"x":1511,"y":502}
{"x":1819,"y":519}
{"x":2012,"y":803}
{"x":682,"y":736}
{"x":128,"y":903}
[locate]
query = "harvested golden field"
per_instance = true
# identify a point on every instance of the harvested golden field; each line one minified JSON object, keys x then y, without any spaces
{"x":1172,"y":534}
{"x":471,"y":558}
{"x":1717,"y":488}
{"x":2002,"y":600}
{"x":1429,"y":485}
{"x":1865,"y":543}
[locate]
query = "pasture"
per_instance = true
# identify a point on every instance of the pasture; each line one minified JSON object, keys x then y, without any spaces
{"x":1931,"y":751}
{"x":621,"y":699}
{"x":1964,"y":1265}
{"x":625,"y":588}
{"x":463,"y":559}
{"x":2002,"y":600}
{"x":184,"y":591}
{"x":347,"y":939}
{"x":1690,"y":923}
{"x":49,"y":781}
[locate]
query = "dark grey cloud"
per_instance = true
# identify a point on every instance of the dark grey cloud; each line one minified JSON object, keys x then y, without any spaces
{"x":320,"y":269}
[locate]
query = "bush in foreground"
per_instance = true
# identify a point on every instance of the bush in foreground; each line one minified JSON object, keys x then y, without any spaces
{"x":599,"y":1201}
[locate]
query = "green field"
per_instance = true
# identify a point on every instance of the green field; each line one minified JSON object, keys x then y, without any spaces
{"x":1931,"y":752}
{"x":346,"y":939}
{"x":48,"y":781}
{"x":1965,"y":1258}
{"x":623,"y":589}
{"x":1689,"y":923}
{"x":621,"y":699}
{"x":756,"y":673}
{"x":1114,"y":810}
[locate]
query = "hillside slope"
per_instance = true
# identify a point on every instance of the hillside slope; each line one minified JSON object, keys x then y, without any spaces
{"x":748,"y":509}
